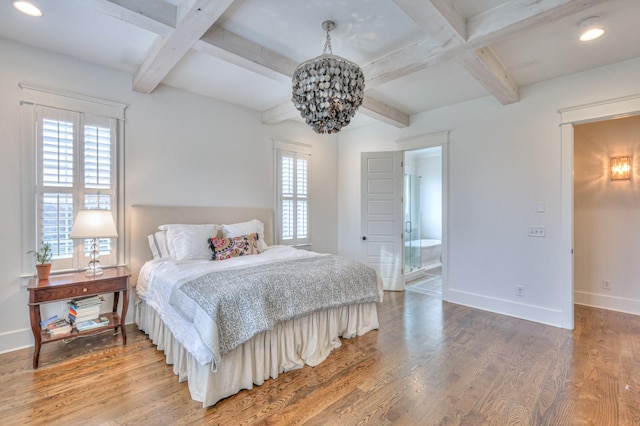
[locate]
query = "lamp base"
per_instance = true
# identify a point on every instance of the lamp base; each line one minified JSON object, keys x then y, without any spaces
{"x":93,"y":272}
{"x":94,"y":268}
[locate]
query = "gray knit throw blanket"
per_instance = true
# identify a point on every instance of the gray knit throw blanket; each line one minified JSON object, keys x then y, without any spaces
{"x":229,"y":307}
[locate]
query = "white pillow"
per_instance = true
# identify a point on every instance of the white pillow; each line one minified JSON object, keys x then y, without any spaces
{"x":189,"y":242}
{"x":246,"y":228}
{"x":158,"y":245}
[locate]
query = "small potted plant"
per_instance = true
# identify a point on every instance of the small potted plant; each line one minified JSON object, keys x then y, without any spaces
{"x":43,"y":257}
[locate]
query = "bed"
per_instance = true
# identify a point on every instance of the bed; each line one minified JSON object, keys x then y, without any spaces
{"x":212,"y":373}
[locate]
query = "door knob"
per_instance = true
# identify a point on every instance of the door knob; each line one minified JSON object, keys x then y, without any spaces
{"x":364,"y":238}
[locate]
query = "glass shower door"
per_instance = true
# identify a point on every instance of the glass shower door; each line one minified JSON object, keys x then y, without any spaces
{"x":412,"y":224}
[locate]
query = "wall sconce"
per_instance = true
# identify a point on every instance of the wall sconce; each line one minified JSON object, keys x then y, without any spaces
{"x":620,"y":168}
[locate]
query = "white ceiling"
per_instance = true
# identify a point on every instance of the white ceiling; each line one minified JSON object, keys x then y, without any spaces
{"x":417,"y":55}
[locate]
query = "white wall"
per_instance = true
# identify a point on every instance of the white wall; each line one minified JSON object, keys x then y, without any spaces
{"x":430,"y":168}
{"x":502,"y":161}
{"x":181,"y":149}
{"x":427,"y":163}
{"x":606,"y":227}
{"x":411,"y":163}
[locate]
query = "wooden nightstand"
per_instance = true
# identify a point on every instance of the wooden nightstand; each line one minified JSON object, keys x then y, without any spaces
{"x":69,"y":286}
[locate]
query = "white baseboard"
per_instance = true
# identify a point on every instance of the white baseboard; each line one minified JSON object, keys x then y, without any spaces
{"x":23,"y":338}
{"x":16,"y":339}
{"x":613,"y":303}
{"x":505,"y":307}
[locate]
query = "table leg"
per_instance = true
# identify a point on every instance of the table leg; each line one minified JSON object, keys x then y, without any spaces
{"x":125,"y":306}
{"x":116,"y":297}
{"x":34,"y":314}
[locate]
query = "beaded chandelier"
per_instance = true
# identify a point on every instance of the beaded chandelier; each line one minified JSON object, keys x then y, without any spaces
{"x":328,"y":89}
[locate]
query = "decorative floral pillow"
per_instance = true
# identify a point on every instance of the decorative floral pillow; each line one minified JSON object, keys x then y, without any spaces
{"x":226,"y":248}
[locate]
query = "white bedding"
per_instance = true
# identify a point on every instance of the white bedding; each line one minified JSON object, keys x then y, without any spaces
{"x":158,"y":277}
{"x":291,"y":345}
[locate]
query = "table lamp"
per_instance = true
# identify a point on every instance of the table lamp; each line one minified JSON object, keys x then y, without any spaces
{"x":94,"y":224}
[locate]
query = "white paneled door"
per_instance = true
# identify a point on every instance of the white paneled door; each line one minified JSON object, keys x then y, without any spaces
{"x":381,"y":242}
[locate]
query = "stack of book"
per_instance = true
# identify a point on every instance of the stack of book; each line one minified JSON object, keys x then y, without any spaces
{"x":45,"y":323}
{"x":59,"y":326}
{"x":94,"y":323}
{"x":86,"y":309}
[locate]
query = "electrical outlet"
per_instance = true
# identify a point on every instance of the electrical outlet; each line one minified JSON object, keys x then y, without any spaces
{"x":520,"y":291}
{"x":536,"y":231}
{"x":606,"y":284}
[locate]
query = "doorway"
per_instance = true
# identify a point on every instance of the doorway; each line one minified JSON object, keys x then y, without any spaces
{"x":605,"y":214}
{"x":422,"y":208}
{"x":570,"y":117}
{"x":382,"y":224}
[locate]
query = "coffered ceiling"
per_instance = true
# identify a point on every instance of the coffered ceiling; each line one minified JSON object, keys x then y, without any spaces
{"x":416,"y":55}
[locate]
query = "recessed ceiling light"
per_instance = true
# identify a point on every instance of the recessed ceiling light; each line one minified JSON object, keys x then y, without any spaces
{"x":27,"y":8}
{"x":591,"y":28}
{"x":591,"y":34}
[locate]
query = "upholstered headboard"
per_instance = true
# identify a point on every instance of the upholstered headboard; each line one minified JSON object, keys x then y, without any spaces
{"x":144,"y":220}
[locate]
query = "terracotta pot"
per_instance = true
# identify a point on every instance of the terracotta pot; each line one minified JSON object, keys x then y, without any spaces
{"x":43,"y":270}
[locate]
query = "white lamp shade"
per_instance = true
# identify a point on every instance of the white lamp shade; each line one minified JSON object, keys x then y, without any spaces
{"x":94,"y":224}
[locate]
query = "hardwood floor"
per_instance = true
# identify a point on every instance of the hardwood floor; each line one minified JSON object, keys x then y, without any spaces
{"x":431,"y":362}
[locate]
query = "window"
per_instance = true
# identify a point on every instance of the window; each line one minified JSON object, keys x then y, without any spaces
{"x":72,"y":156}
{"x":292,"y":197}
{"x":74,"y":171}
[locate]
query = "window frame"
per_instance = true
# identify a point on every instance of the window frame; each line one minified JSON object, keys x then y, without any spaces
{"x":78,"y":190}
{"x":297,"y":151}
{"x":33,"y":99}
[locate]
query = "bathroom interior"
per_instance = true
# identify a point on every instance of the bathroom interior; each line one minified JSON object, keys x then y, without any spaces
{"x":423,"y":220}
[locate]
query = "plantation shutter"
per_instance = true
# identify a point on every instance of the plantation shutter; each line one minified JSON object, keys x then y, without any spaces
{"x":56,"y":192}
{"x":293,"y":197}
{"x":76,"y":170}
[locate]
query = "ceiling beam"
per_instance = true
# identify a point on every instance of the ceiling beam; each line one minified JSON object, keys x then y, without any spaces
{"x":518,"y":15}
{"x":382,"y":112}
{"x":486,"y":68}
{"x":193,"y":19}
{"x":482,"y":30}
{"x":445,"y":25}
{"x":279,"y":113}
{"x":438,"y":18}
{"x":158,"y":17}
{"x":239,"y":51}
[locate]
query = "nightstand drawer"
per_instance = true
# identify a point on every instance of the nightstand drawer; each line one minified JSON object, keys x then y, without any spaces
{"x":47,"y":294}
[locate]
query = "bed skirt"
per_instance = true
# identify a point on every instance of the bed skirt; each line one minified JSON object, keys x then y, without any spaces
{"x":289,"y":346}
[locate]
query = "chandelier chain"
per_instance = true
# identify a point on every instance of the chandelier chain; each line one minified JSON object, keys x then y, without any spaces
{"x":327,"y":45}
